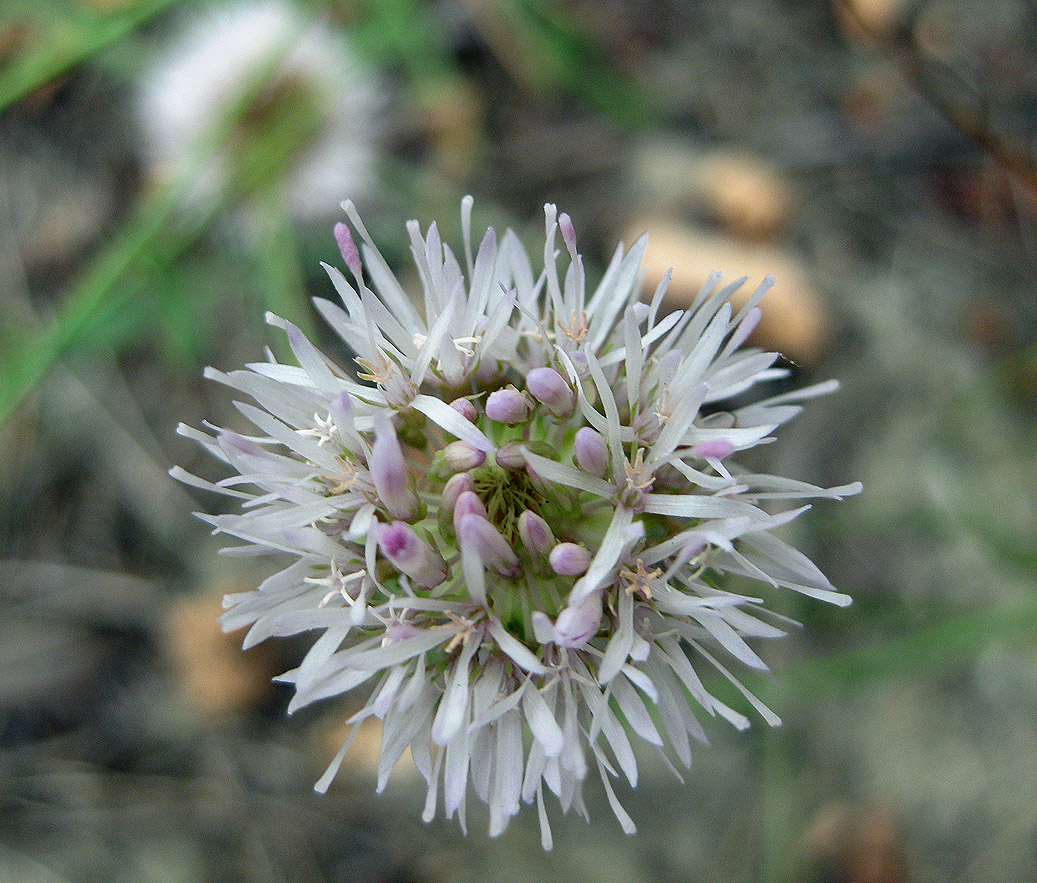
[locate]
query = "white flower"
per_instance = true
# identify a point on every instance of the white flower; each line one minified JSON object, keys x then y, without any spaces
{"x":213,"y":64}
{"x":523,"y":506}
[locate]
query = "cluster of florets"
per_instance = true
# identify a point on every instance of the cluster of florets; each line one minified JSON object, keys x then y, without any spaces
{"x":512,"y":522}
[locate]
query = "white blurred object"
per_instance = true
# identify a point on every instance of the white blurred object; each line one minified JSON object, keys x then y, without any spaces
{"x":211,"y":65}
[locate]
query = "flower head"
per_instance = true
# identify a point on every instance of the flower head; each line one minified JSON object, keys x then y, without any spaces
{"x":534,"y":492}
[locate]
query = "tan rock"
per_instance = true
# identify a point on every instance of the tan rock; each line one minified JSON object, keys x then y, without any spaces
{"x":361,"y":761}
{"x":855,"y":844}
{"x":742,"y":192}
{"x":215,"y":676}
{"x":794,"y":319}
{"x":865,"y":20}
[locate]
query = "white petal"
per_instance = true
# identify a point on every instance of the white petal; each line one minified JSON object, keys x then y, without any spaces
{"x":454,"y":705}
{"x":515,"y":649}
{"x":613,"y":544}
{"x":440,"y":413}
{"x":541,"y":722}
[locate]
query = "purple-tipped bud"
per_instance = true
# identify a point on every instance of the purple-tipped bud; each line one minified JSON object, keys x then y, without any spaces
{"x":399,"y":630}
{"x":569,"y":559}
{"x":228,"y":438}
{"x":715,"y":448}
{"x":486,"y":541}
{"x":410,"y":554}
{"x":575,"y":626}
{"x":565,"y":224}
{"x":746,"y":327}
{"x":389,"y":470}
{"x":689,"y":550}
{"x":549,"y":388}
{"x":535,"y":534}
{"x":507,"y":405}
{"x":346,"y":245}
{"x":591,"y":451}
{"x":452,"y":490}
{"x":341,"y":410}
{"x":466,"y":409}
{"x":459,"y":456}
{"x":467,"y":504}
{"x":488,"y":372}
{"x":509,"y":456}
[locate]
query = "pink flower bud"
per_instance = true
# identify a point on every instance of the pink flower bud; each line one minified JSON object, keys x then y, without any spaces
{"x":459,"y":456}
{"x":410,"y":554}
{"x":455,"y":486}
{"x":535,"y":534}
{"x":689,"y":550}
{"x":341,"y":410}
{"x":346,"y":245}
{"x":507,"y":405}
{"x":746,"y":327}
{"x":488,"y":372}
{"x":509,"y":455}
{"x":399,"y":630}
{"x":717,"y":448}
{"x":228,"y":438}
{"x":575,"y":626}
{"x":569,"y":559}
{"x":591,"y":451}
{"x":466,"y":409}
{"x":486,"y":541}
{"x":468,"y":503}
{"x":389,"y":470}
{"x":565,"y":224}
{"x":549,"y":388}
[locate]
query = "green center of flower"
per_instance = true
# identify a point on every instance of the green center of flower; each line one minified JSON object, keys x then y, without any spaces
{"x":506,"y":493}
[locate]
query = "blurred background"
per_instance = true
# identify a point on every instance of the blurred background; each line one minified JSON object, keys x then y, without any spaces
{"x":169,"y":171}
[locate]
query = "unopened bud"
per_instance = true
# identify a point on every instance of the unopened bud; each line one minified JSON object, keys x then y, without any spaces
{"x":466,"y":409}
{"x":452,"y":490}
{"x":576,"y":625}
{"x":535,"y":534}
{"x":341,"y":411}
{"x":399,"y":630}
{"x":565,"y":224}
{"x":486,"y":541}
{"x":746,"y":327}
{"x":715,"y":448}
{"x":488,"y":372}
{"x":410,"y":554}
{"x":468,"y":503}
{"x":689,"y":550}
{"x":348,"y":249}
{"x":591,"y":451}
{"x":507,"y":405}
{"x":509,"y":456}
{"x":569,"y":559}
{"x":549,"y":388}
{"x":389,"y":470}
{"x":459,"y":456}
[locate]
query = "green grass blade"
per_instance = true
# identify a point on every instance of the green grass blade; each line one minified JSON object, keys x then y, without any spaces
{"x":69,"y":42}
